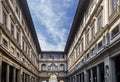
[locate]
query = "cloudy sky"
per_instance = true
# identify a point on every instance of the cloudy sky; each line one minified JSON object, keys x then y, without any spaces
{"x":52,"y":20}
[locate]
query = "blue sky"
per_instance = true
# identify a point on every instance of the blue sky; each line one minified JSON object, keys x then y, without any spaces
{"x":52,"y":20}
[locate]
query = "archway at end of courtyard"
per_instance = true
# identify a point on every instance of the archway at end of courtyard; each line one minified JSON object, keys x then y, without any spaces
{"x":53,"y":78}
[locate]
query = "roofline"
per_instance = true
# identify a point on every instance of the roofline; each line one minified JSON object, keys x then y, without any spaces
{"x":26,"y":11}
{"x":83,"y":4}
{"x":53,"y":52}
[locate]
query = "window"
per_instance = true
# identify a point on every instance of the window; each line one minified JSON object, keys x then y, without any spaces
{"x":82,"y":45}
{"x":114,"y":5}
{"x":86,"y":14}
{"x":43,"y":67}
{"x":23,"y":22}
{"x":23,"y":44}
{"x":52,"y":56}
{"x":4,"y":19}
{"x":62,"y":67}
{"x":17,"y":10}
{"x":77,"y":50}
{"x":12,"y":50}
{"x":18,"y":55}
{"x":100,"y":22}
{"x":26,"y":49}
{"x":100,"y":45}
{"x":91,"y":4}
{"x":12,"y":29}
{"x":18,"y":36}
{"x":53,"y":67}
{"x":92,"y":31}
{"x":88,"y":55}
{"x":115,"y":31}
{"x":93,"y":51}
{"x":5,"y":43}
{"x":87,"y":38}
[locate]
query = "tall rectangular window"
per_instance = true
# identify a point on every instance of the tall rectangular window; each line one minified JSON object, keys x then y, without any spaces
{"x":100,"y":22}
{"x":92,"y":31}
{"x":23,"y":45}
{"x":77,"y":50}
{"x":18,"y":36}
{"x":115,"y":31}
{"x":12,"y":29}
{"x":82,"y":45}
{"x":17,"y":10}
{"x":87,"y":37}
{"x":114,"y":5}
{"x":5,"y":43}
{"x":4,"y":19}
{"x":100,"y":45}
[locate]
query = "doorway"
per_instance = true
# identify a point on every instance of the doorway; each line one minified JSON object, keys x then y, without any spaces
{"x":53,"y":78}
{"x":117,"y":68}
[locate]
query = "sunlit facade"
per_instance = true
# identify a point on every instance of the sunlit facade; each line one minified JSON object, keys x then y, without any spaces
{"x":19,"y":46}
{"x":94,"y":53}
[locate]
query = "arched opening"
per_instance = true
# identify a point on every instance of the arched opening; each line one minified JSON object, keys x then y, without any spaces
{"x":62,"y":67}
{"x":53,"y":78}
{"x":43,"y":67}
{"x":53,"y":67}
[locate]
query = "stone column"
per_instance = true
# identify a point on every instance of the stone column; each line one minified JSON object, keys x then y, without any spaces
{"x":14,"y":75}
{"x":91,"y":72}
{"x":28,"y":78}
{"x":81,"y":77}
{"x":113,"y":73}
{"x":19,"y":76}
{"x":85,"y":76}
{"x":24,"y":77}
{"x":7,"y":73}
{"x":98,"y":74}
{"x":0,"y":69}
{"x":108,"y":72}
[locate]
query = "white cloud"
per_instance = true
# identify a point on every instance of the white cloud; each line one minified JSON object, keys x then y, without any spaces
{"x":51,"y":14}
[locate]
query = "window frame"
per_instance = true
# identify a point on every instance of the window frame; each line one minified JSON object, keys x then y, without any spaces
{"x":100,"y":47}
{"x":4,"y":18}
{"x":43,"y":68}
{"x":5,"y":42}
{"x":87,"y":37}
{"x":100,"y":21}
{"x":113,"y":36}
{"x":114,"y":5}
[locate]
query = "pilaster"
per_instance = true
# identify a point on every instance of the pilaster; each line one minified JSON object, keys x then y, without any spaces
{"x":7,"y":73}
{"x":107,"y":70}
{"x":14,"y":75}
{"x":98,"y":74}
{"x":91,"y":72}
{"x":105,"y":12}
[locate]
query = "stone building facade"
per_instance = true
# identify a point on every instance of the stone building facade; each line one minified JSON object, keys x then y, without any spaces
{"x":94,"y":53}
{"x":19,"y":47}
{"x":53,"y":67}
